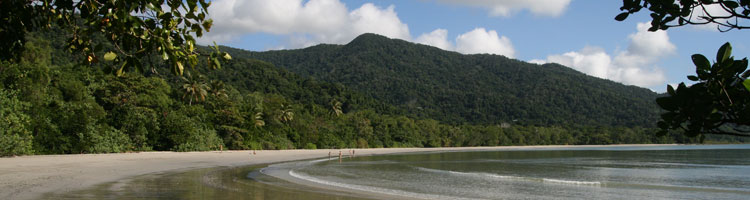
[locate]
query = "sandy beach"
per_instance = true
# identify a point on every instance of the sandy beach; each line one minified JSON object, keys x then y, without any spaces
{"x":30,"y":177}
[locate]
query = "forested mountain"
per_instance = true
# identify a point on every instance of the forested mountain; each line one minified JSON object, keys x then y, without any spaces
{"x":453,"y":88}
{"x":53,"y":104}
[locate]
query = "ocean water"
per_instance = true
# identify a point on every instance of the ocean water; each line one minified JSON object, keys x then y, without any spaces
{"x":618,"y":172}
{"x":651,"y":172}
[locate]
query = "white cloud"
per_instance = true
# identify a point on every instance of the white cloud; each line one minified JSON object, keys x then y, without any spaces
{"x":633,"y":66}
{"x":505,"y":8}
{"x":590,"y":60}
{"x":537,"y":61}
{"x":480,"y":40}
{"x":714,"y":10}
{"x":308,"y":23}
{"x":649,"y":45}
{"x":371,"y":19}
{"x":476,"y":41}
{"x":437,"y":38}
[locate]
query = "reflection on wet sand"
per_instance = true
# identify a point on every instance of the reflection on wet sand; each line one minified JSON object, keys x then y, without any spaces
{"x":213,"y":183}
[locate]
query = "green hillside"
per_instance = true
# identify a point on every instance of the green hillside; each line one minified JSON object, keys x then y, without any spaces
{"x":428,"y":82}
{"x":55,"y":105}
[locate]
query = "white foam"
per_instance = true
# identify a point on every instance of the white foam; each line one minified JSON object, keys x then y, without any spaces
{"x":321,"y":160}
{"x":593,"y":183}
{"x":503,"y":177}
{"x":474,"y":174}
{"x":370,"y":189}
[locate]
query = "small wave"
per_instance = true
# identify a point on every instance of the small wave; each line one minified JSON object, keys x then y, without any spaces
{"x":503,"y":177}
{"x":321,"y":160}
{"x":370,"y":189}
{"x":593,"y":183}
{"x":474,"y":174}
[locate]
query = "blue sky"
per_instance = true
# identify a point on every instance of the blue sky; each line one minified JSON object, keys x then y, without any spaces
{"x":581,"y":34}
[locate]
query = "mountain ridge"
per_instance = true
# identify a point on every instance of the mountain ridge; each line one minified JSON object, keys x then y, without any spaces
{"x":475,"y":89}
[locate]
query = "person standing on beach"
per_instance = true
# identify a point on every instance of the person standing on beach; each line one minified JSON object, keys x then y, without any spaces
{"x":341,"y":155}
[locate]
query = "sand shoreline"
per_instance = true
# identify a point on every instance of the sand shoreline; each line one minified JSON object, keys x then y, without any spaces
{"x":30,"y":177}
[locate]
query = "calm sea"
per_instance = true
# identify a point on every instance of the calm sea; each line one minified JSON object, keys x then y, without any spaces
{"x":650,"y":172}
{"x":619,"y":172}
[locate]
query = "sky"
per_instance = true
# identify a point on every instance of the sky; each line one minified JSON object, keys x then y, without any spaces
{"x":580,"y":34}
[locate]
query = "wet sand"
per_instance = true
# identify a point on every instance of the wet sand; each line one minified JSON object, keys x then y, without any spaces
{"x":31,"y":177}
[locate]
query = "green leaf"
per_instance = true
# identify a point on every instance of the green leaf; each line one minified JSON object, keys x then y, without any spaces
{"x":622,"y":16}
{"x":179,"y":68}
{"x":666,"y":103}
{"x":110,"y":56}
{"x":207,"y":24}
{"x":692,"y":78}
{"x":192,"y":4}
{"x":746,"y":74}
{"x":121,"y":71}
{"x":746,"y":83}
{"x":217,"y":64}
{"x":724,"y":52}
{"x":204,"y":4}
{"x":670,"y":90}
{"x":701,"y":63}
{"x":741,"y":65}
{"x":227,"y":56}
{"x":730,"y":4}
{"x":668,"y":116}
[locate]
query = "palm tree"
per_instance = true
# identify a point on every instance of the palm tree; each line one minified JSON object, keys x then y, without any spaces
{"x":285,"y":113}
{"x":258,"y":119}
{"x":336,"y":108}
{"x":217,"y":89}
{"x":195,"y":88}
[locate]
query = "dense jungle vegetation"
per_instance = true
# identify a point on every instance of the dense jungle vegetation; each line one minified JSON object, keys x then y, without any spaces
{"x":52,"y":104}
{"x":453,"y":88}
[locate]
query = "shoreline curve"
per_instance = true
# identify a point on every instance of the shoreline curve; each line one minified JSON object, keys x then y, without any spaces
{"x":30,"y":177}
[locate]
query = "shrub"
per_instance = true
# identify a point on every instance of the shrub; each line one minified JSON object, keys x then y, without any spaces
{"x":310,"y":146}
{"x":200,"y":139}
{"x":15,"y":138}
{"x":104,"y":139}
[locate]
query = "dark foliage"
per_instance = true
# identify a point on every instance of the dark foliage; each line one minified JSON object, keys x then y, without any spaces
{"x":719,"y":103}
{"x":426,"y":82}
{"x":725,"y":14}
{"x":55,"y":106}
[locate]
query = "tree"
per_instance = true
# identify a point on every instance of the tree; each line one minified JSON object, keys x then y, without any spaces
{"x":136,"y":29}
{"x":218,"y":89}
{"x":258,"y":119}
{"x":719,"y":103}
{"x":726,"y":14}
{"x":15,"y":135}
{"x":285,"y":113}
{"x":336,"y":108}
{"x":194,"y":88}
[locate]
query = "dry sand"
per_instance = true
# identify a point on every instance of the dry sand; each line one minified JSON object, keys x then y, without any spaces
{"x":29,"y":177}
